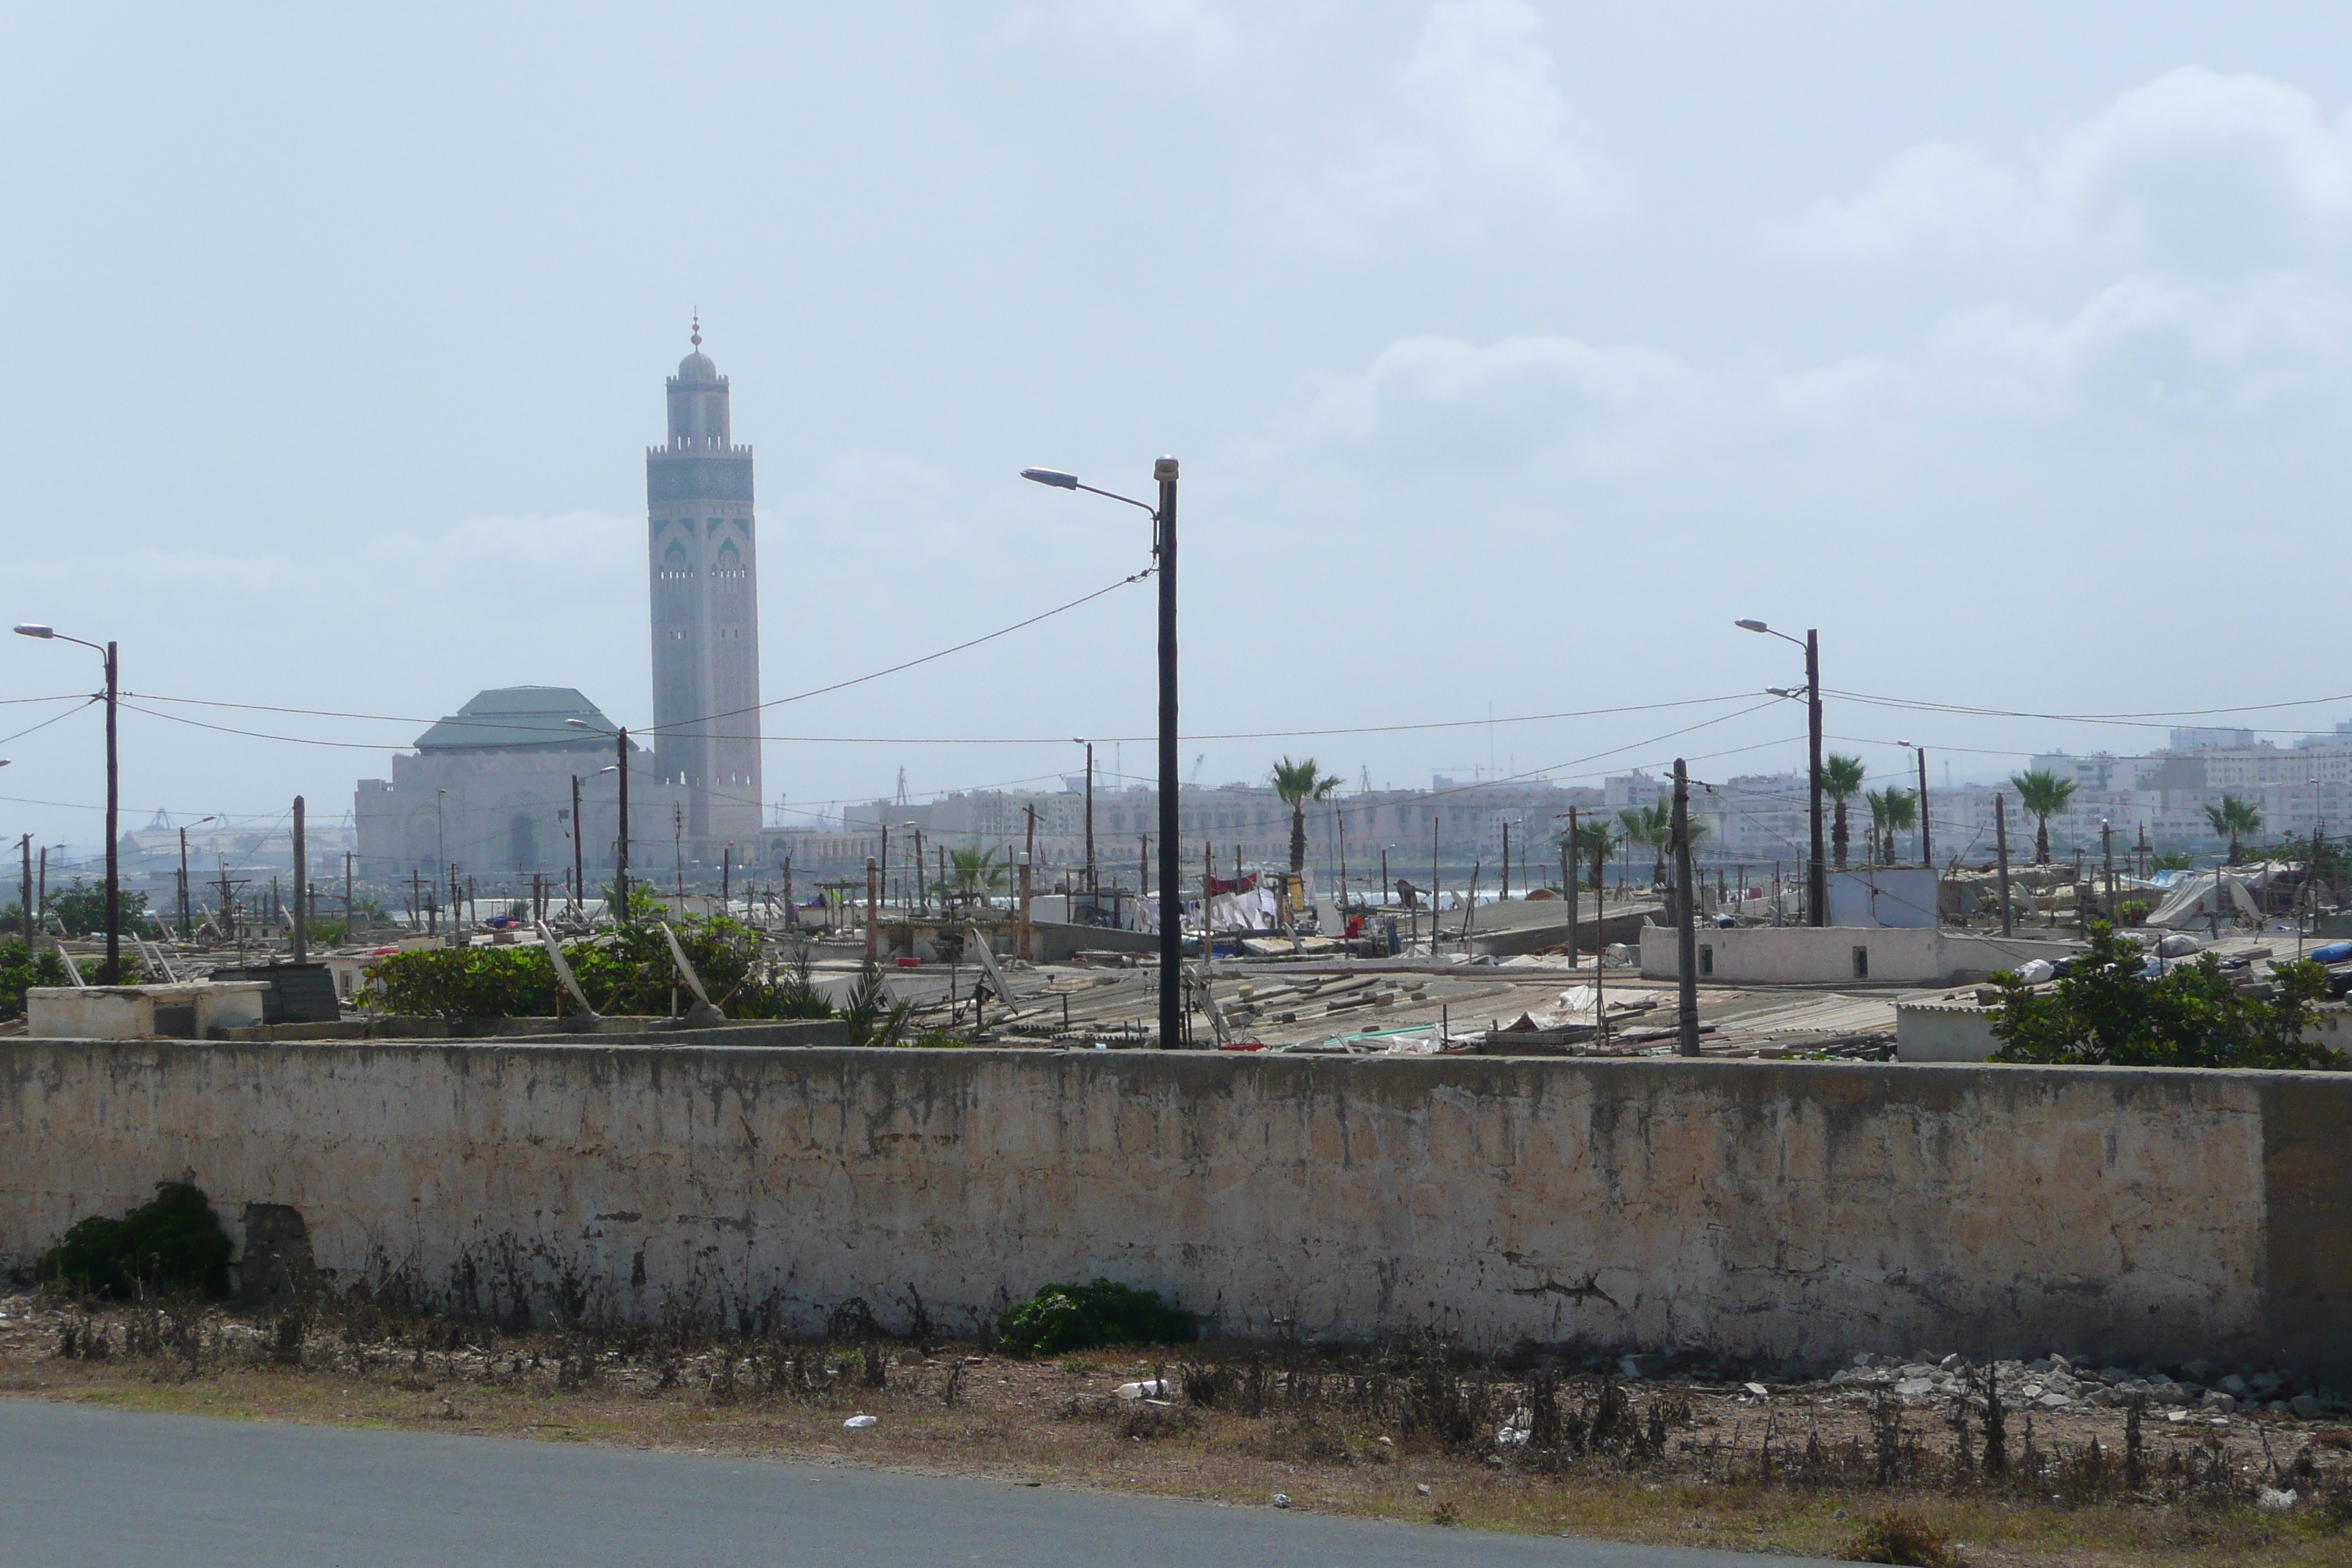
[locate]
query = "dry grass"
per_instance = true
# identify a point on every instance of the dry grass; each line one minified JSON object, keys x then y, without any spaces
{"x":1059,"y":1423}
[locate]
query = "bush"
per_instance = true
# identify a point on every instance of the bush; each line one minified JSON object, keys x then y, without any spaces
{"x":625,"y":972}
{"x":20,"y":970}
{"x":2134,"y":911}
{"x":170,"y":1244}
{"x":1901,"y":1537}
{"x":2103,"y":1013}
{"x":1062,"y":1318}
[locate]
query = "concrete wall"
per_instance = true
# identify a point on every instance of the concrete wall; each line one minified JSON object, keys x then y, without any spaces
{"x":1807,"y":955}
{"x":1943,"y":1032}
{"x":1778,"y":1209}
{"x":189,"y":1009}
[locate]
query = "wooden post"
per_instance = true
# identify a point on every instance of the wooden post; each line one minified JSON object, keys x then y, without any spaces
{"x":1567,"y":883}
{"x":873,"y":909}
{"x":2000,"y":848}
{"x":1024,"y":951}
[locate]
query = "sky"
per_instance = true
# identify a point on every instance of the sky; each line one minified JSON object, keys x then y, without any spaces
{"x":1511,"y":351}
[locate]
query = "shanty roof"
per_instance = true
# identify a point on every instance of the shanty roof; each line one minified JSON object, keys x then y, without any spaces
{"x":522,"y":717}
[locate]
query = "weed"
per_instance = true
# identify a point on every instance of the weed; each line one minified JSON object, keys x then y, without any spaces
{"x":1901,"y":1537}
{"x":1081,"y":1316}
{"x":170,"y":1244}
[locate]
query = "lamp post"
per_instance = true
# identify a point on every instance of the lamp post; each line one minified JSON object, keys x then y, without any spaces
{"x":1817,"y":880}
{"x":1171,"y":869}
{"x":621,"y":847}
{"x":1926,"y":849}
{"x":113,"y":850}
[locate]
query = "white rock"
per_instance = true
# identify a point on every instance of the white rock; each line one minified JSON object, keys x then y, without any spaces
{"x":1758,"y":1389}
{"x":2217,"y":1403}
{"x":1282,"y":1499}
{"x":2054,"y":1401}
{"x":858,"y":1423}
{"x":1914,"y":1388}
{"x":1152,"y":1388}
{"x":2272,"y":1499}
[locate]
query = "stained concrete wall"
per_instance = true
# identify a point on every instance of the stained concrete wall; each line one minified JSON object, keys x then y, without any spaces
{"x":1800,"y":1210}
{"x":1825,"y":956}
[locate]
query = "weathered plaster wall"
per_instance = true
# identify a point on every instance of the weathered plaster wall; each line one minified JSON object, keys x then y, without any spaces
{"x":1780,"y":1209}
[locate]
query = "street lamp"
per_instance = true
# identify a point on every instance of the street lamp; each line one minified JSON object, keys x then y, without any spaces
{"x":113,"y":850}
{"x":1817,"y":880}
{"x":1927,"y":851}
{"x":621,"y":850}
{"x":1163,"y":549}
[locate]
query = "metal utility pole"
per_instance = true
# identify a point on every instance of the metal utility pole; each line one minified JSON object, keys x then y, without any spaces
{"x":621,"y":847}
{"x":579,"y":860}
{"x":25,"y":899}
{"x":302,"y":887}
{"x":350,"y":907}
{"x":1434,"y":817}
{"x":2001,"y":848}
{"x":1024,"y":947}
{"x":1339,"y":829}
{"x":1686,"y":920}
{"x":1171,"y":939}
{"x":1817,"y":874}
{"x":113,"y":973}
{"x":1507,"y":860}
{"x":1090,"y":813}
{"x":1817,"y":877}
{"x":726,"y":878}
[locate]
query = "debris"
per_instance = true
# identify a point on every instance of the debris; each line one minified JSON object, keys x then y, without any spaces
{"x":2272,"y":1499}
{"x":859,"y":1423}
{"x":1420,"y":1489}
{"x":1151,"y":1388}
{"x":1282,"y":1499}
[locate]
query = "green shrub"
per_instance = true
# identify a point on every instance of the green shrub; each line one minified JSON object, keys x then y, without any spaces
{"x":2103,"y":1013}
{"x":1063,"y":1317}
{"x":170,"y":1244}
{"x":625,"y":972}
{"x":20,"y":970}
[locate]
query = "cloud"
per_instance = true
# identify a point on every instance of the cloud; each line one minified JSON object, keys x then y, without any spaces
{"x":2143,"y":349}
{"x":2194,"y":169}
{"x":1478,"y":130}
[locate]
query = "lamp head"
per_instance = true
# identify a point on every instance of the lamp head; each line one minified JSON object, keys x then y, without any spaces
{"x":1053,"y":477}
{"x":30,"y":630}
{"x":1749,"y":625}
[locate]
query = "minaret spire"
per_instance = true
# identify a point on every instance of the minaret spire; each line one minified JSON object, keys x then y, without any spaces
{"x":697,"y":339}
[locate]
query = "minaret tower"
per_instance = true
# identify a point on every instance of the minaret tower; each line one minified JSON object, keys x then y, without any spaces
{"x":703,"y":558}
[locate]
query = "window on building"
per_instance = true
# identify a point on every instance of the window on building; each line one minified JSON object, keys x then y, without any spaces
{"x":1706,"y":958}
{"x":1862,"y":963}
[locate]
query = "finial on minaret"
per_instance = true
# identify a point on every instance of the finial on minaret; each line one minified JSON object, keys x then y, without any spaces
{"x":697,"y":339}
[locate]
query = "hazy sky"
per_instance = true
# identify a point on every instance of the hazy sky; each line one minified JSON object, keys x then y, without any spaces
{"x":1511,"y":351}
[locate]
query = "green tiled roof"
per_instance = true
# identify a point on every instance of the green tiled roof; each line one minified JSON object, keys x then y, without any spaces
{"x":522,"y":717}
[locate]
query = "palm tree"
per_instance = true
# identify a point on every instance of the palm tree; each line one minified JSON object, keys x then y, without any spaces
{"x":1891,"y":811}
{"x":1594,"y":840}
{"x":2043,"y":794}
{"x":1842,"y":779}
{"x":1298,"y":782}
{"x":2232,"y":820}
{"x":975,"y":872}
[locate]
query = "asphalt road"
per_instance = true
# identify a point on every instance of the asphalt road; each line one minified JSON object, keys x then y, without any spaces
{"x":107,"y":1488}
